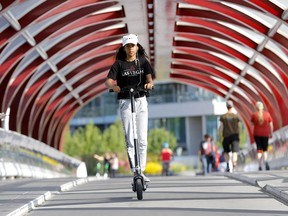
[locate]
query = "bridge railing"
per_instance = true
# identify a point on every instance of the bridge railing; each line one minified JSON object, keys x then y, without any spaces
{"x":277,"y":151}
{"x":22,"y":156}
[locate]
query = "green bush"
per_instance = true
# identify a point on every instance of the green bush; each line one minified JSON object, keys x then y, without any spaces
{"x":177,"y":167}
{"x":90,"y":140}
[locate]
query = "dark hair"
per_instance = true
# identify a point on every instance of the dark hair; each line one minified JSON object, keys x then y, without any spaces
{"x":206,"y":136}
{"x":121,"y":54}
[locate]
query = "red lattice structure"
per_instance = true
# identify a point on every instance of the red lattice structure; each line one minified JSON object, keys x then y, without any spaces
{"x":54,"y":55}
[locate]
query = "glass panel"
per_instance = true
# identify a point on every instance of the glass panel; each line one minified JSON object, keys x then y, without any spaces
{"x":211,"y":126}
{"x":176,"y":92}
{"x":104,"y":105}
{"x":174,"y":125}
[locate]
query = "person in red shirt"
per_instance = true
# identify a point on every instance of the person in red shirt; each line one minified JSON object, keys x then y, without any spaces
{"x":263,"y":128}
{"x":166,"y":156}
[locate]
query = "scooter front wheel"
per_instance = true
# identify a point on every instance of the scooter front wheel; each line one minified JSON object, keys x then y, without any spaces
{"x":139,"y":189}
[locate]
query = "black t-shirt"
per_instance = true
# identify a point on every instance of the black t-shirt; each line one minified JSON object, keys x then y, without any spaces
{"x":130,"y":74}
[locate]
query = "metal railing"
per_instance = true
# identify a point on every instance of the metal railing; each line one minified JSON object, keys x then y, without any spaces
{"x":277,"y":151}
{"x":22,"y":156}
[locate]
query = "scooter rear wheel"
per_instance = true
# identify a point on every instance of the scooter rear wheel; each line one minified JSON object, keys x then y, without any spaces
{"x":139,"y":189}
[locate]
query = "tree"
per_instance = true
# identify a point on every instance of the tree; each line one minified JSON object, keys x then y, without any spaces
{"x":156,"y":138}
{"x":87,"y":141}
{"x":83,"y":144}
{"x":84,"y":141}
{"x":113,"y":138}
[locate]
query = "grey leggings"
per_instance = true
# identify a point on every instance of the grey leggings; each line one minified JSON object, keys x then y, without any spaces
{"x":141,"y":109}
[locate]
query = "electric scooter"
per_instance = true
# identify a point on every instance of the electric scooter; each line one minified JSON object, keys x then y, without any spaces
{"x":138,"y":185}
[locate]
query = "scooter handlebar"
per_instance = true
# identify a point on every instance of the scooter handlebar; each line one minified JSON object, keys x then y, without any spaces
{"x":130,"y":89}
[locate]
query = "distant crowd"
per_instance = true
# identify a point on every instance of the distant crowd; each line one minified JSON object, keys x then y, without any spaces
{"x":212,"y":159}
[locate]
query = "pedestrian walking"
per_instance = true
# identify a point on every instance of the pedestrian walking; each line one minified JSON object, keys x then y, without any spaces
{"x":114,"y":163}
{"x":106,"y":163}
{"x":206,"y":154}
{"x":228,"y":133}
{"x":263,"y":129}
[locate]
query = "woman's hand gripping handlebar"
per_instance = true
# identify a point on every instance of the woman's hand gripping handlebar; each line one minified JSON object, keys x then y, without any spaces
{"x":116,"y":89}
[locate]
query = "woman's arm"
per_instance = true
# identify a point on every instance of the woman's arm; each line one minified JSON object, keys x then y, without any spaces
{"x":111,"y":84}
{"x":271,"y":129}
{"x":149,"y":84}
{"x":220,"y":132}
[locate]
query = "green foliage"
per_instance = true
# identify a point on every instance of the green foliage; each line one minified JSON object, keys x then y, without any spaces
{"x":83,"y":144}
{"x":84,"y":141}
{"x":243,"y":138}
{"x":113,"y":138}
{"x":156,"y":138}
{"x":87,"y":141}
{"x":178,"y":167}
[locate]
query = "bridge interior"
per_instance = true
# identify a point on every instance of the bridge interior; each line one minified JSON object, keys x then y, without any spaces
{"x":55,"y":55}
{"x":54,"y":58}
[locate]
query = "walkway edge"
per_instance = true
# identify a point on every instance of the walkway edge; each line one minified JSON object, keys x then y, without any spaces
{"x":281,"y":195}
{"x":244,"y":179}
{"x":277,"y":193}
{"x":31,"y":205}
{"x":25,"y":209}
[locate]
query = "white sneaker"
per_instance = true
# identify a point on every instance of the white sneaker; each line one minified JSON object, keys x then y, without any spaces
{"x":146,"y":179}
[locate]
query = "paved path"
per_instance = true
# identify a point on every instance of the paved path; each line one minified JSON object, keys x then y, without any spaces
{"x":20,"y":194}
{"x":273,"y":182}
{"x":254,"y":193}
